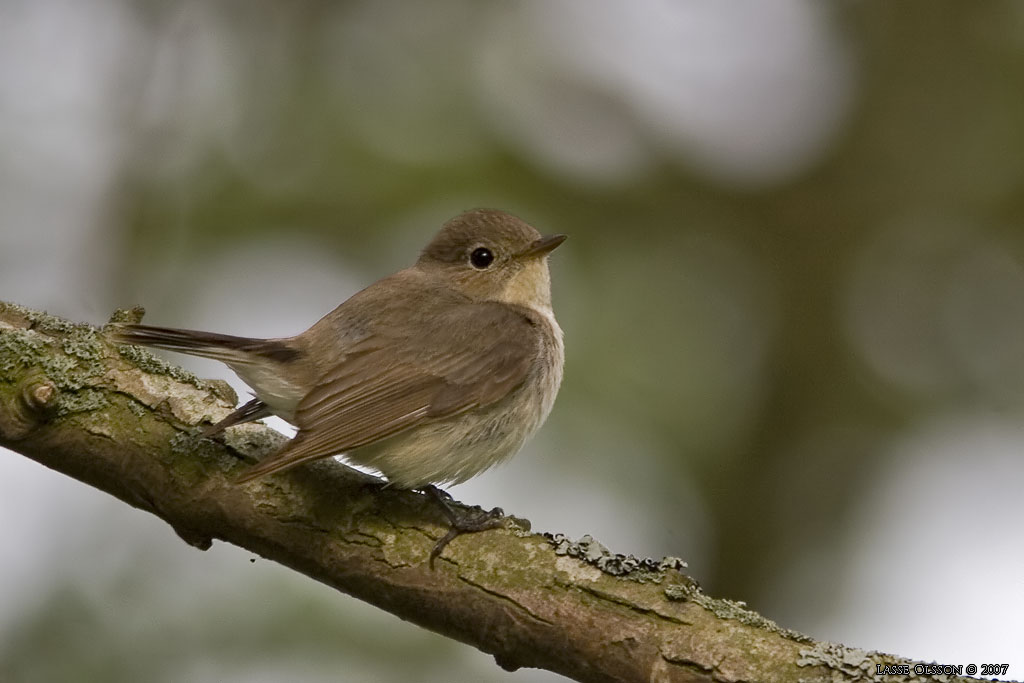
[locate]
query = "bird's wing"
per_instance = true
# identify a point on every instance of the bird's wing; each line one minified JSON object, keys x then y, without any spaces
{"x":470,"y":355}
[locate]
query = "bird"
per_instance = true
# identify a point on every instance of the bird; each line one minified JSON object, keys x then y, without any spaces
{"x":428,"y":376}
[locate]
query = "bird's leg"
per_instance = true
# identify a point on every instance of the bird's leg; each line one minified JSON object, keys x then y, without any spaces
{"x":253,"y":410}
{"x":462,"y":521}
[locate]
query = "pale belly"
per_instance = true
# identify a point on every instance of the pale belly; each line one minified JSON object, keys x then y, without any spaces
{"x":453,"y":450}
{"x":450,"y":451}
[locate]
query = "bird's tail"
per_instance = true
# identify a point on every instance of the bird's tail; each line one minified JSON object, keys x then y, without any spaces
{"x":223,"y":347}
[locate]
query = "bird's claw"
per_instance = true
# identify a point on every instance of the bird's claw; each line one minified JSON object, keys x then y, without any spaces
{"x":461,"y":520}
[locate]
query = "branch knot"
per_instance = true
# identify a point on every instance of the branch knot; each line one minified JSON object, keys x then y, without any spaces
{"x":33,"y":404}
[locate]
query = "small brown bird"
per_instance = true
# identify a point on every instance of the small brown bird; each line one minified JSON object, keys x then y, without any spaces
{"x":430,"y":376}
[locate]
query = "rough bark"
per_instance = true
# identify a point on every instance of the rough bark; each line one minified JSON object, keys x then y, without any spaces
{"x":118,"y":419}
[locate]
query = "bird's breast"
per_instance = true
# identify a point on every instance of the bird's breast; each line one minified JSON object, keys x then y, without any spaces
{"x":454,"y":449}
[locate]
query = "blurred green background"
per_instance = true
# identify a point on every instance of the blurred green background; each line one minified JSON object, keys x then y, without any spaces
{"x":792,"y":296}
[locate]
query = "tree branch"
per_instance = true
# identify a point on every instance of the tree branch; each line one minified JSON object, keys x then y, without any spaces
{"x":118,"y":419}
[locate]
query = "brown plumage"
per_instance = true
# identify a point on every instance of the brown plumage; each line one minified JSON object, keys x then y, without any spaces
{"x":430,"y":375}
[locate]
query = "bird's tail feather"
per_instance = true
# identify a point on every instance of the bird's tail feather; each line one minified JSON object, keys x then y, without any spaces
{"x":223,"y":347}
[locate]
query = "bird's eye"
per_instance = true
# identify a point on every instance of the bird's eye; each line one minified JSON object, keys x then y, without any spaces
{"x":481,"y":258}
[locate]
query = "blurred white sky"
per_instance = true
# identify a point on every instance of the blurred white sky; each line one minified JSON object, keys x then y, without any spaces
{"x":744,"y":93}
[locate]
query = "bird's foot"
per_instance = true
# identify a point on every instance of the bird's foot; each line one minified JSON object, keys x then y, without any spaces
{"x":461,"y":520}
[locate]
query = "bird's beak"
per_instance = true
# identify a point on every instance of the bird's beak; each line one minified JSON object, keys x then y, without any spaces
{"x":542,"y":247}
